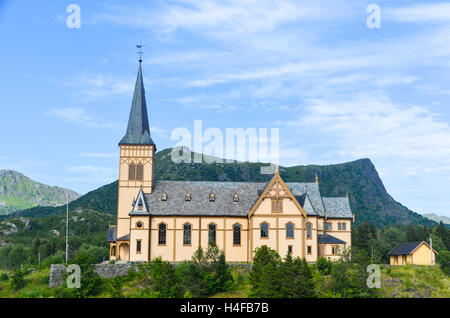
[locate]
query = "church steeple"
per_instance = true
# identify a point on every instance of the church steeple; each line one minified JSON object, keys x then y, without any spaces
{"x":138,"y":130}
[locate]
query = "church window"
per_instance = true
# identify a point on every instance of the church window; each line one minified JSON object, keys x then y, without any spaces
{"x":290,"y":249}
{"x":309,"y":250}
{"x":139,"y":224}
{"x":212,"y":233}
{"x":140,"y":205}
{"x":344,"y":225}
{"x":277,"y":205}
{"x":308,"y":230}
{"x":187,"y":234}
{"x":289,"y":230}
{"x":330,"y":226}
{"x":339,"y":226}
{"x":212,"y":197}
{"x":140,"y":172}
{"x":237,"y":234}
{"x":235,"y":198}
{"x":162,"y":234}
{"x":164,"y":197}
{"x":334,"y":250}
{"x":132,"y":172}
{"x":113,"y":250}
{"x":264,"y":230}
{"x":187,"y":197}
{"x":138,"y":246}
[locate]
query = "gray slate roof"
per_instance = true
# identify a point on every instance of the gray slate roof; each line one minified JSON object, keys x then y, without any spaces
{"x":307,"y":194}
{"x":111,"y":234}
{"x":404,"y":248}
{"x":337,"y":207}
{"x":138,"y":130}
{"x":200,"y":204}
{"x":328,"y":239}
{"x":312,"y":189}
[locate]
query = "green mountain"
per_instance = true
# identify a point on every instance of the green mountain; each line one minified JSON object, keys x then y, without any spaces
{"x":369,"y":199}
{"x":18,"y":192}
{"x":437,"y":218}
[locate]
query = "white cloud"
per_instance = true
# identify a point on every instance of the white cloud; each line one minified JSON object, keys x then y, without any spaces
{"x":91,"y":87}
{"x":424,"y":12}
{"x":102,"y":155}
{"x":76,"y":115}
{"x":408,"y":139}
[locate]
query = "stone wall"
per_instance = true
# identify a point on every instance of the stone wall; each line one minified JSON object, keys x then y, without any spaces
{"x":57,"y":271}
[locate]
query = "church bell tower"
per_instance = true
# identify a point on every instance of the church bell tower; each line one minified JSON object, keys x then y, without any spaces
{"x":137,"y":151}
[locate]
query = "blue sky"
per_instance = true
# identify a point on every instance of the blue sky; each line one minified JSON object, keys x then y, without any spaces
{"x":336,"y":89}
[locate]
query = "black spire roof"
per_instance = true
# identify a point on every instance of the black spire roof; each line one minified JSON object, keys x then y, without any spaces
{"x":138,"y":130}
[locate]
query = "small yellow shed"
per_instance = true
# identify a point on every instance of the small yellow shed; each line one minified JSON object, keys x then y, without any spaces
{"x":417,"y":253}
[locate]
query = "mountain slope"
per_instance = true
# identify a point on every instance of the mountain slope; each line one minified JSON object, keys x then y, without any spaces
{"x":369,"y":199}
{"x":18,"y":192}
{"x":437,"y":218}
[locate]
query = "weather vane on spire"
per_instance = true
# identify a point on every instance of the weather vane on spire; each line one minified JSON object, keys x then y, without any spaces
{"x":140,"y":46}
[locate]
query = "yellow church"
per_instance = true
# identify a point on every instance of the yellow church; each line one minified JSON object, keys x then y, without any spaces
{"x":171,"y":219}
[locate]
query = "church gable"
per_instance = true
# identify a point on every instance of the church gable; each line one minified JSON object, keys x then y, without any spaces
{"x":277,"y":198}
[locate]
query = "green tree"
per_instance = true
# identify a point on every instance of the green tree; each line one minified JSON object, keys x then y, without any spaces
{"x":164,"y":280}
{"x":443,"y":259}
{"x":296,"y":278}
{"x":265,"y":276}
{"x":438,"y":244}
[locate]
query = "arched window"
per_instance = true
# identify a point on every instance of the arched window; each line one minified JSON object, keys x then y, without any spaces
{"x":264,"y":230}
{"x":187,"y":234}
{"x":187,"y":197}
{"x":235,"y":198}
{"x":330,"y":226}
{"x":339,"y":226}
{"x":212,"y":197}
{"x":289,"y":230}
{"x":344,"y":225}
{"x":132,"y":172}
{"x":212,"y":233}
{"x":308,"y":230}
{"x":237,"y":234}
{"x":164,"y":197}
{"x":113,"y":250}
{"x":162,"y":234}
{"x":140,"y":172}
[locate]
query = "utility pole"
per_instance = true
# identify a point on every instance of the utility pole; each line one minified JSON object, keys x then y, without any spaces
{"x":431,"y":251}
{"x":67,"y":229}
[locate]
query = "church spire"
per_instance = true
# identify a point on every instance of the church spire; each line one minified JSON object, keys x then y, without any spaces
{"x":138,"y":130}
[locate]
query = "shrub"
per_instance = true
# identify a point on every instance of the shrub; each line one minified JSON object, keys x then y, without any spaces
{"x":91,"y":283}
{"x":18,"y":280}
{"x":324,"y":266}
{"x":3,"y":277}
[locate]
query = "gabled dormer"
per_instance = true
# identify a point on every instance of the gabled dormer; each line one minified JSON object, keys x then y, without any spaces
{"x":139,"y":206}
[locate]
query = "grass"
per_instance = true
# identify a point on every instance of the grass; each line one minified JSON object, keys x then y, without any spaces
{"x":398,"y":282}
{"x":414,"y":281}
